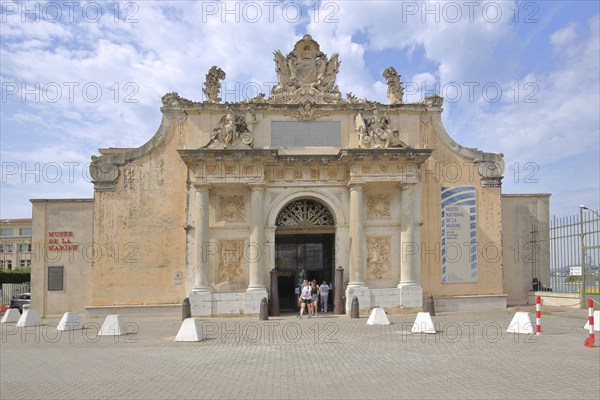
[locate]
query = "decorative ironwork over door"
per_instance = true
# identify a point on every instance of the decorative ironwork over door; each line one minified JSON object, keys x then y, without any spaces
{"x":304,"y":213}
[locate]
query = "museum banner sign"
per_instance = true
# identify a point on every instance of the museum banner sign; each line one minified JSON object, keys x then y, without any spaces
{"x":459,"y":234}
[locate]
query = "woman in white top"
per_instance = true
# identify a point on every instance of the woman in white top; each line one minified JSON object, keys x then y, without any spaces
{"x":305,"y":298}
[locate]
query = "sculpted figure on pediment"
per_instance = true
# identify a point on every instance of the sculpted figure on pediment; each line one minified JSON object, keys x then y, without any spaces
{"x":172,"y":99}
{"x":376,"y":132}
{"x":394,"y":91}
{"x":233,"y":131}
{"x":212,"y":85}
{"x":305,"y":74}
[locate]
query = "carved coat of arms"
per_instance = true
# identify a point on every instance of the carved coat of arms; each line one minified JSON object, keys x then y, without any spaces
{"x":306,"y":75}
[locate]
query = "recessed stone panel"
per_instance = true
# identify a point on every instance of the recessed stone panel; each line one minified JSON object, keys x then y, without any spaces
{"x":302,"y":134}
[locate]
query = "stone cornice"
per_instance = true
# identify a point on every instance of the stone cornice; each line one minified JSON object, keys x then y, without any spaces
{"x":104,"y":169}
{"x":490,"y":165}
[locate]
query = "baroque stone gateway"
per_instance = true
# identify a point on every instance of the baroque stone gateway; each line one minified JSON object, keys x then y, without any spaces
{"x":226,"y":201}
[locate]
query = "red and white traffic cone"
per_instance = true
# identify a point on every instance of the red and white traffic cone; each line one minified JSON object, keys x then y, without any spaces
{"x":538,"y":315}
{"x":589,"y":342}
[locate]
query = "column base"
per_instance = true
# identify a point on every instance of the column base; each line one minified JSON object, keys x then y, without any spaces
{"x":256,"y":289}
{"x":201,"y":303}
{"x":411,"y":295}
{"x":356,"y":285}
{"x":252,"y":300}
{"x":363,"y":294}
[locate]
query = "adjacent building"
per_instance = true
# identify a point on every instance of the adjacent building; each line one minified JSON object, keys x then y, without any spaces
{"x":15,"y":244}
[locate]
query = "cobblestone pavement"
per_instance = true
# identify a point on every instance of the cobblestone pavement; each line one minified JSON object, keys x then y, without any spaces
{"x":472,"y":357}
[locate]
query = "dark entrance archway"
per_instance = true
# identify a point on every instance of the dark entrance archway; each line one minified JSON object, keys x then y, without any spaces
{"x":304,"y":248}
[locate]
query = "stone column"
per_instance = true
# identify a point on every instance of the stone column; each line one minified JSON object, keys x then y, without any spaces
{"x":357,"y":253}
{"x":257,"y":240}
{"x":407,"y":236}
{"x":201,"y":283}
{"x":411,"y":293}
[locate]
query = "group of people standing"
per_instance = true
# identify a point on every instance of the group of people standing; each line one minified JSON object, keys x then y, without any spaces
{"x":311,"y":295}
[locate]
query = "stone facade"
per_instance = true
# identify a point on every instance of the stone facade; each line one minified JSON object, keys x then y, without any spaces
{"x":299,"y":181}
{"x":201,"y":200}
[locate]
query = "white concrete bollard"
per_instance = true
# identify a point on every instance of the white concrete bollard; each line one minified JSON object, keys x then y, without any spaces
{"x":378,"y":317}
{"x":29,"y":318}
{"x":11,"y":315}
{"x":423,"y":324}
{"x":190,"y":331}
{"x":70,"y":321}
{"x":521,"y":323}
{"x":112,"y":326}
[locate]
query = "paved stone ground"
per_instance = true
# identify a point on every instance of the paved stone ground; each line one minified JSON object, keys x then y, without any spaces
{"x":324,"y":357}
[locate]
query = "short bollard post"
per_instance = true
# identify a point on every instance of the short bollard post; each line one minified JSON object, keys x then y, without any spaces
{"x":430,"y":306}
{"x":338,"y":292}
{"x":264,"y":310}
{"x":186,"y":310}
{"x":354,"y":308}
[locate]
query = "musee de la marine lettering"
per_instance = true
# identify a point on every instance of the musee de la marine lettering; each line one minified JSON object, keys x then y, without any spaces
{"x":231,"y":202}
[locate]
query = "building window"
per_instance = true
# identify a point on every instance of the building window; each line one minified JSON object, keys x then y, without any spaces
{"x":25,"y":248}
{"x":25,"y":264}
{"x":25,"y":232}
{"x":7,"y":248}
{"x":55,"y":278}
{"x":7,"y":264}
{"x":6,"y":232}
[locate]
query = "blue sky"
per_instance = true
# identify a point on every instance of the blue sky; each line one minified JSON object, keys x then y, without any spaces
{"x":78,"y":76}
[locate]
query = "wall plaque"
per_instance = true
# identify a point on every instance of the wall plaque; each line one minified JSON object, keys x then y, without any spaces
{"x":55,"y":278}
{"x":301,"y":134}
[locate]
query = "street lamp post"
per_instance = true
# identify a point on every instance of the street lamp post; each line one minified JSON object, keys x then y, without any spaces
{"x":583,"y":249}
{"x":582,"y":237}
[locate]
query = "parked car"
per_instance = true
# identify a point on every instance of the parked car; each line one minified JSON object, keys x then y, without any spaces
{"x":18,"y":302}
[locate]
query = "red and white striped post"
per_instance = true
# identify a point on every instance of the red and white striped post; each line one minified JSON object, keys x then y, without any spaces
{"x":538,"y":315}
{"x":589,"y":342}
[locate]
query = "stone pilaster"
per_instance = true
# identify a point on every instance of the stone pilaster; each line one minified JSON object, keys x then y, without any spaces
{"x":201,"y":236}
{"x":411,"y":293}
{"x":357,"y":253}
{"x":257,"y":240}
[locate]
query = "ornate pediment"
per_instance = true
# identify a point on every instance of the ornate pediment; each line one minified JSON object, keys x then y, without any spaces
{"x":306,"y":75}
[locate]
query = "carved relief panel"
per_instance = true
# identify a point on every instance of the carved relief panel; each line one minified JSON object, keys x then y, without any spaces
{"x":378,"y":206}
{"x":230,"y":261}
{"x":231,"y":208}
{"x":378,"y":258}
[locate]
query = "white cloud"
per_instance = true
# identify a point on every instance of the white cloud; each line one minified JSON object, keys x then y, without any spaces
{"x":172,"y":46}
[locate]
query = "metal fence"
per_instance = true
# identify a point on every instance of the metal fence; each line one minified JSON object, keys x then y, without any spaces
{"x":567,"y":242}
{"x":12,"y":290}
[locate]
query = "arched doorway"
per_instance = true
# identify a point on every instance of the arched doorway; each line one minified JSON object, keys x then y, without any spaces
{"x":304,"y":248}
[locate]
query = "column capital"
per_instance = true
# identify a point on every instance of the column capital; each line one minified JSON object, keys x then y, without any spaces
{"x":201,"y":186}
{"x":356,"y":185}
{"x":257,"y":187}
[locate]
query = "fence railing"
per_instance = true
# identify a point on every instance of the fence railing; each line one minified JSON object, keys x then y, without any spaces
{"x":573,"y":248}
{"x":12,"y":290}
